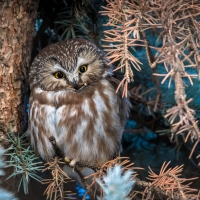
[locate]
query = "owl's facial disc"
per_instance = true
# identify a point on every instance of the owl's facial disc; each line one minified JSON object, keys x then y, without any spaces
{"x":81,"y":72}
{"x":74,"y":77}
{"x":71,"y":79}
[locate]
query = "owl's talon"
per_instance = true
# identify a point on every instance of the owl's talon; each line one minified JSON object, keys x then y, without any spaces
{"x":67,"y":159}
{"x":72,"y":163}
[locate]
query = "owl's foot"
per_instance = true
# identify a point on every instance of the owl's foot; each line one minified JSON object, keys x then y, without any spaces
{"x":73,"y":163}
{"x":67,"y":159}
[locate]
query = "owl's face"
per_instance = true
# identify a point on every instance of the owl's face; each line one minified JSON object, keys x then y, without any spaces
{"x":69,"y":65}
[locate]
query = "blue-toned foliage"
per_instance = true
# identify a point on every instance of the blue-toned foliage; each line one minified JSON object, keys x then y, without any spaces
{"x":2,"y":163}
{"x":81,"y":191}
{"x":141,"y":141}
{"x":117,"y":185}
{"x":4,"y":194}
{"x":38,"y":24}
{"x":23,"y":160}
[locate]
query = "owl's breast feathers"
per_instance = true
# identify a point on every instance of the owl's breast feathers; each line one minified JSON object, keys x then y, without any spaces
{"x":86,"y":126}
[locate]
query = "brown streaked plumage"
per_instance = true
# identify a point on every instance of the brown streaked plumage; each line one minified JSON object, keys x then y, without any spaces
{"x":73,"y":98}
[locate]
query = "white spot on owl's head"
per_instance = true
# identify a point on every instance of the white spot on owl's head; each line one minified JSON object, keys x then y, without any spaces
{"x":80,"y":61}
{"x":58,"y":67}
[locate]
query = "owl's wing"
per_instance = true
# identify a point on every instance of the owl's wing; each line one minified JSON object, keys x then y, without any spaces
{"x":41,"y":128}
{"x":124,"y":103}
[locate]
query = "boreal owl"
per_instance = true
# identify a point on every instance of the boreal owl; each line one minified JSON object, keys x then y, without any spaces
{"x":73,"y":98}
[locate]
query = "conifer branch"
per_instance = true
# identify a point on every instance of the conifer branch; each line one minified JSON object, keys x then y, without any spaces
{"x":23,"y":159}
{"x":55,"y":189}
{"x":167,"y":184}
{"x":123,"y":35}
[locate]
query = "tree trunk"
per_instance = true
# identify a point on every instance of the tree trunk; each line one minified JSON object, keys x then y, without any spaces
{"x":17,"y":18}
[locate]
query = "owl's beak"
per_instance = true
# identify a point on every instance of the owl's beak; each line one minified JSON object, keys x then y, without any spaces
{"x":75,"y":85}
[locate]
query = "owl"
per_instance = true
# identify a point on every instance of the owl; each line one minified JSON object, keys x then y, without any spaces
{"x":73,"y":99}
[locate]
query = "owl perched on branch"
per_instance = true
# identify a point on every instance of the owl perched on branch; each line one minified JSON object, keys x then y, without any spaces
{"x":73,"y":99}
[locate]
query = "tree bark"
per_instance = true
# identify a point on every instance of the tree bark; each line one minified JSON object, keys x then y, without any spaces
{"x":17,"y":18}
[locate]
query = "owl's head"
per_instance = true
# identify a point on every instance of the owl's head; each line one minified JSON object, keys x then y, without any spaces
{"x":68,"y":65}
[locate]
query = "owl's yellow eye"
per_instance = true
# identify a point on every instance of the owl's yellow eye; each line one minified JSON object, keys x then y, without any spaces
{"x":59,"y":75}
{"x":82,"y":69}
